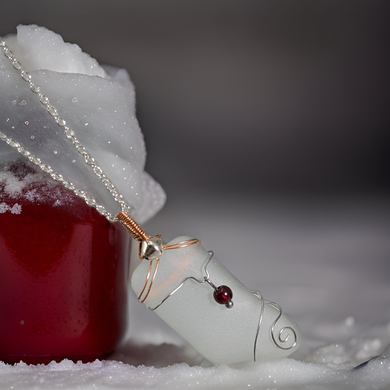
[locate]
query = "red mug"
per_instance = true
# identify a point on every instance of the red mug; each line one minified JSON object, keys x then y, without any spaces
{"x":63,"y":272}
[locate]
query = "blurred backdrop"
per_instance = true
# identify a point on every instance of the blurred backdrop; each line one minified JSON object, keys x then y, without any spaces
{"x":267,"y":123}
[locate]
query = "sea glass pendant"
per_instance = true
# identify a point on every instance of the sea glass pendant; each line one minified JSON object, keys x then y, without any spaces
{"x":185,"y":296}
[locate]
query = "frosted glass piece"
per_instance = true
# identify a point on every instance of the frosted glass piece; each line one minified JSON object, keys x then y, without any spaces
{"x":97,"y":103}
{"x":220,"y":334}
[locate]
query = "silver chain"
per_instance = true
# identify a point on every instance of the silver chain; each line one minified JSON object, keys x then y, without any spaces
{"x":69,"y":133}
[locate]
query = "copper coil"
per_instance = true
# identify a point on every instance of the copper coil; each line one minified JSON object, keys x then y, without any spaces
{"x":132,"y":226}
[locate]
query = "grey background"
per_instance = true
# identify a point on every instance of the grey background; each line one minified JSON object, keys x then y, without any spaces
{"x":267,"y":96}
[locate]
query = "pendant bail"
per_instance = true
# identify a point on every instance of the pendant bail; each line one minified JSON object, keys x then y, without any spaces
{"x":152,"y":249}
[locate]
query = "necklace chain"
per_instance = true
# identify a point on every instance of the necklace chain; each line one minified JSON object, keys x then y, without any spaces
{"x":69,"y":133}
{"x":149,"y":247}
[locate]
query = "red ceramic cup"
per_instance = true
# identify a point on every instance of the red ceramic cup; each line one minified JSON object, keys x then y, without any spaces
{"x":63,"y":272}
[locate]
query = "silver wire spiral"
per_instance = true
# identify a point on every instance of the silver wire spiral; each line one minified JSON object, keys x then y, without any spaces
{"x":277,"y":338}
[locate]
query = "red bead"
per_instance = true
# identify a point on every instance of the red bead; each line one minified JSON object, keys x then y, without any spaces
{"x":223,"y":295}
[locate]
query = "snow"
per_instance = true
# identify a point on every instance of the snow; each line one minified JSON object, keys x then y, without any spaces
{"x":3,"y":207}
{"x":97,"y":103}
{"x":16,"y":209}
{"x":22,"y":179}
{"x":325,"y":261}
{"x":285,"y":374}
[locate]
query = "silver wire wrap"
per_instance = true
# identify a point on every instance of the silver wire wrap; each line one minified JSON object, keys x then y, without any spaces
{"x":277,"y":340}
{"x":69,"y":133}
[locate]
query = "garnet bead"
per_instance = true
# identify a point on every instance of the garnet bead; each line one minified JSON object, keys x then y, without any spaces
{"x":223,"y":295}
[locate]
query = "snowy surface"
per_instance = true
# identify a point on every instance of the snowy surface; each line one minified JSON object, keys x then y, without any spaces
{"x":325,"y":261}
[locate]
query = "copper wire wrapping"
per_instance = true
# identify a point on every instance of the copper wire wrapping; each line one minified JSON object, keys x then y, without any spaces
{"x":142,"y":300}
{"x":140,"y":235}
{"x":182,"y":244}
{"x":177,"y":245}
{"x":132,"y":226}
{"x":146,"y":281}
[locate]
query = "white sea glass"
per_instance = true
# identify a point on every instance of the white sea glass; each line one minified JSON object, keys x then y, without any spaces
{"x":240,"y":334}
